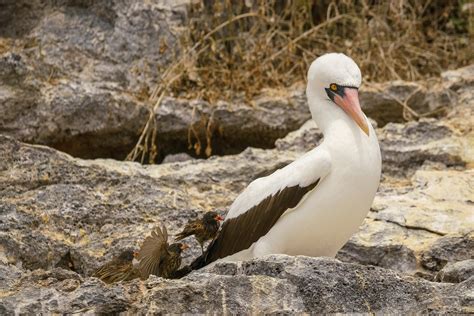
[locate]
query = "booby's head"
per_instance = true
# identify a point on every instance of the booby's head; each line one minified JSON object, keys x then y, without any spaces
{"x":333,"y":83}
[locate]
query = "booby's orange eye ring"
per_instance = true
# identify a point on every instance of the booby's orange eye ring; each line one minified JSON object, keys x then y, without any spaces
{"x":333,"y":86}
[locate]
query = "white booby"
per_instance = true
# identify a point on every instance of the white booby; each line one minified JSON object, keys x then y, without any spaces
{"x":312,"y":206}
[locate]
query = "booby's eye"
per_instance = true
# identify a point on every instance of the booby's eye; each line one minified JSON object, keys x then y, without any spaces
{"x":333,"y":86}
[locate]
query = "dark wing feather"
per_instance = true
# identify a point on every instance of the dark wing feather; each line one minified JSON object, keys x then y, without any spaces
{"x":153,"y":251}
{"x":241,"y":232}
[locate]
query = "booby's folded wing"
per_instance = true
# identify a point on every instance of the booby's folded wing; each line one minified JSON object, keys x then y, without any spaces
{"x":263,"y":202}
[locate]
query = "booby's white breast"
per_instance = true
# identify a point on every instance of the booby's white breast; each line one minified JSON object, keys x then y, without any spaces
{"x":323,"y":222}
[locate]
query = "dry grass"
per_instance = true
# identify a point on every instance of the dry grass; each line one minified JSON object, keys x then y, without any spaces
{"x":234,"y":50}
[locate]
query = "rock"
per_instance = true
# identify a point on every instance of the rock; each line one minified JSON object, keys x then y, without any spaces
{"x":177,"y":158}
{"x":60,"y":291}
{"x":73,"y":120}
{"x":456,"y":272}
{"x":393,"y":255}
{"x":283,"y":284}
{"x":302,"y":140}
{"x":226,"y":128}
{"x":70,"y":116}
{"x":404,"y":147}
{"x":384,"y":101}
{"x":461,"y":78}
{"x":52,"y":204}
{"x":80,"y":91}
{"x":274,"y":284}
{"x":448,"y":250}
{"x":86,"y":93}
{"x":417,"y":224}
{"x":9,"y":275}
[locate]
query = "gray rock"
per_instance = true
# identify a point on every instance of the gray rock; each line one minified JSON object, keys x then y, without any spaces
{"x":80,"y":91}
{"x":61,"y":291}
{"x":383,"y":102}
{"x":224,"y":128}
{"x":448,"y":249}
{"x":52,"y":204}
{"x":85,"y":93}
{"x":274,"y":284}
{"x":9,"y":275}
{"x":417,"y":228}
{"x":302,"y":140}
{"x":462,"y":78}
{"x":177,"y":158}
{"x":456,"y":272}
{"x":404,"y":147}
{"x":395,"y":256}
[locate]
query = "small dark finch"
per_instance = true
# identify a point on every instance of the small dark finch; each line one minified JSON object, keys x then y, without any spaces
{"x":157,"y":257}
{"x":203,"y":229}
{"x":120,"y":268}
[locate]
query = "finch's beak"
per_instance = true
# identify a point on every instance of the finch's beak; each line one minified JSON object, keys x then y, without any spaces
{"x":349,"y":102}
{"x":184,"y":246}
{"x":219,"y":218}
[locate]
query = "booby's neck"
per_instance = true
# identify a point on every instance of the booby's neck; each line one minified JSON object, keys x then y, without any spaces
{"x":334,"y":123}
{"x":354,"y":154}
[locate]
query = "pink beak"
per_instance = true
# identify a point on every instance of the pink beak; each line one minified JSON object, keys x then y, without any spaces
{"x":350,"y":104}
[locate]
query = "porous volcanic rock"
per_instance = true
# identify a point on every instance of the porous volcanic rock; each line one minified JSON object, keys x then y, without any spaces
{"x":456,"y":272}
{"x":274,"y":284}
{"x":417,"y":228}
{"x":79,"y":91}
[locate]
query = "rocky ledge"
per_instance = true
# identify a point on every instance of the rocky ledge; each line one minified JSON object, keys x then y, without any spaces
{"x":274,"y":284}
{"x":61,"y":217}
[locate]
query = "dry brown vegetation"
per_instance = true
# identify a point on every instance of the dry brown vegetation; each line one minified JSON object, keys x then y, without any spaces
{"x":234,"y":49}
